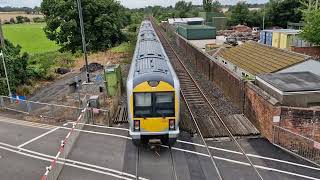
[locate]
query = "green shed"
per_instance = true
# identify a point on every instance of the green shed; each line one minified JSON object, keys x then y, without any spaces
{"x":197,"y":32}
{"x":113,"y":78}
{"x":219,"y":22}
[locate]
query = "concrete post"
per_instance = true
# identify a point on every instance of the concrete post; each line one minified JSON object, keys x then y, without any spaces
{"x":28,"y":107}
{"x":1,"y":102}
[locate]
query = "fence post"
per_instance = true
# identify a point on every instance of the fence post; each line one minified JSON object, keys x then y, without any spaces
{"x":52,"y":111}
{"x":1,"y":101}
{"x":28,"y":107}
{"x":273,"y":132}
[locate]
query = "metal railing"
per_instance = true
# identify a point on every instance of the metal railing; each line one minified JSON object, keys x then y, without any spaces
{"x":54,"y":111}
{"x":53,"y":171}
{"x":297,"y":144}
{"x":44,"y":110}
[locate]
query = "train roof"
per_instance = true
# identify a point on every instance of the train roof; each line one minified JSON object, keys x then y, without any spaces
{"x":150,"y":62}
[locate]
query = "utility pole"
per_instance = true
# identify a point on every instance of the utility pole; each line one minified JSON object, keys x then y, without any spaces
{"x":264,"y":15}
{"x":84,"y":45}
{"x":2,"y":45}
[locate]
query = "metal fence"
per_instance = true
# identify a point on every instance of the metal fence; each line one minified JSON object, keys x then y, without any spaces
{"x":297,"y":144}
{"x":45,"y":110}
{"x":53,"y":171}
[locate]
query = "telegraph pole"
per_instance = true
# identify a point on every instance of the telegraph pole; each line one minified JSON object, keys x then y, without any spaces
{"x":264,"y":15}
{"x":84,"y":46}
{"x":2,"y":45}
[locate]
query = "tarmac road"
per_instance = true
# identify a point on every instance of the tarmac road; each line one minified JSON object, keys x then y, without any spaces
{"x":103,"y":153}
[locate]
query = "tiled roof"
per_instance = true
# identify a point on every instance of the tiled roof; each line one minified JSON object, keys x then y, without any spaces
{"x":257,"y":58}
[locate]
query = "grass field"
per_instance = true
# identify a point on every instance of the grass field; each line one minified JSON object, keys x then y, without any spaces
{"x":30,"y":37}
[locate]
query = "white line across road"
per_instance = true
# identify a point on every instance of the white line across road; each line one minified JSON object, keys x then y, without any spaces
{"x":225,"y":159}
{"x":25,"y":123}
{"x":174,"y":148}
{"x":69,"y":162}
{"x":251,"y":155}
{"x":38,"y":137}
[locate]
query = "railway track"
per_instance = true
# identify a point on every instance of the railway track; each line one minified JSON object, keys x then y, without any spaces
{"x":204,"y":115}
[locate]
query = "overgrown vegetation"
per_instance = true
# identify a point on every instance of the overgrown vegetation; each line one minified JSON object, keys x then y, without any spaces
{"x":16,"y":65}
{"x":311,"y":31}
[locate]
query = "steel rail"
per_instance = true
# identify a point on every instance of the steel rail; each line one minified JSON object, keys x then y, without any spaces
{"x":202,"y":138}
{"x":211,"y":106}
{"x":174,"y":173}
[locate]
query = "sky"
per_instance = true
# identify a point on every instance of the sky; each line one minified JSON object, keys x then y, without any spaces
{"x":127,"y":3}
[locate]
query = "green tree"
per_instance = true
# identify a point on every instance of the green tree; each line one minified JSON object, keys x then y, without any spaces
{"x":182,"y":9}
{"x":103,"y":21}
{"x":20,"y":19}
{"x":280,"y":12}
{"x":254,"y":18}
{"x":16,"y":65}
{"x":311,"y":30}
{"x":211,"y":6}
{"x":238,"y":14}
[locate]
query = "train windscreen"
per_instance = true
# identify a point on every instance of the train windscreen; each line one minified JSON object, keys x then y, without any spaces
{"x":154,"y":105}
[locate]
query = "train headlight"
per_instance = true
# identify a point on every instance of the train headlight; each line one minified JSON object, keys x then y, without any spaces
{"x":153,"y":83}
{"x":136,"y":125}
{"x":172,"y":124}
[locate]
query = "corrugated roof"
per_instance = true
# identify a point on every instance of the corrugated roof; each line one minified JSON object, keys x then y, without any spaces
{"x":257,"y":58}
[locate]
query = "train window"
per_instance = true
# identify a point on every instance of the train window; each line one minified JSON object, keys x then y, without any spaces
{"x":164,"y":104}
{"x":142,"y":104}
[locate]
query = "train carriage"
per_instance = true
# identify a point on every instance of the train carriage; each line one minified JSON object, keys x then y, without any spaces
{"x":153,"y":91}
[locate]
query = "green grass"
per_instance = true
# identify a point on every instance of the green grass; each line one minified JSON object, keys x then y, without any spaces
{"x":125,"y":47}
{"x":30,"y":37}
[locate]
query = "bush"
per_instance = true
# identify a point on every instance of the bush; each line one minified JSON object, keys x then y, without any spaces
{"x":24,"y":90}
{"x":41,"y":66}
{"x":20,"y":19}
{"x":26,"y":19}
{"x":38,"y":19}
{"x":12,"y":21}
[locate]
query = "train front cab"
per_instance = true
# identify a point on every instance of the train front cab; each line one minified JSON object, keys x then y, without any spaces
{"x":154,"y":108}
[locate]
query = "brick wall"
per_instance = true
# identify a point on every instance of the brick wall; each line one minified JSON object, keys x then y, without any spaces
{"x":258,"y":106}
{"x":302,"y":121}
{"x":212,"y":70}
{"x":311,"y":51}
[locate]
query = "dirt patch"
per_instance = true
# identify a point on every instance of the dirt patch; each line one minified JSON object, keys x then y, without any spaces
{"x":102,"y":58}
{"x":6,"y":16}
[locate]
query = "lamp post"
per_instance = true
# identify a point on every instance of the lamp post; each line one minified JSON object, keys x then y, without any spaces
{"x":83,"y":39}
{"x":5,"y":72}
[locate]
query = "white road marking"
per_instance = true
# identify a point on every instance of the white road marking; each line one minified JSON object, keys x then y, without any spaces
{"x":200,"y":145}
{"x":38,"y":137}
{"x":25,"y":123}
{"x":100,"y":133}
{"x":72,"y":162}
{"x":251,"y":155}
{"x":106,"y":127}
{"x":211,"y":147}
{"x":247,"y":164}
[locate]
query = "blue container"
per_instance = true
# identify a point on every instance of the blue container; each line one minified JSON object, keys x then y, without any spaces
{"x":269,"y":38}
{"x":262,"y":37}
